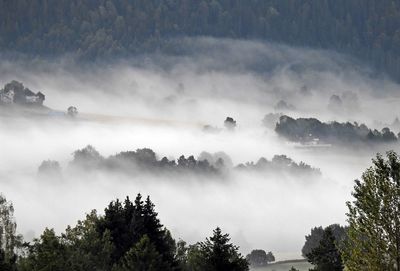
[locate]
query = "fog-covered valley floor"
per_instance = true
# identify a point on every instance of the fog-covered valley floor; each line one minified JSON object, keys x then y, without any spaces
{"x":176,"y":105}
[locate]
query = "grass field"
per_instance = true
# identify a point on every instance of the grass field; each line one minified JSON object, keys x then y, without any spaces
{"x":301,"y":265}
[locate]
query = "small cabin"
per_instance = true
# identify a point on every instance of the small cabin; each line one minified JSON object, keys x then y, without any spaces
{"x":7,"y":98}
{"x":16,"y":93}
{"x":37,"y":98}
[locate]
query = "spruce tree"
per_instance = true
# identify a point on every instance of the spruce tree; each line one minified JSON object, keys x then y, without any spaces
{"x":217,"y":254}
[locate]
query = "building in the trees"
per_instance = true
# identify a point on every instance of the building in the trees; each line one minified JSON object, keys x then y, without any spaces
{"x":7,"y":98}
{"x":15,"y":93}
{"x":32,"y":98}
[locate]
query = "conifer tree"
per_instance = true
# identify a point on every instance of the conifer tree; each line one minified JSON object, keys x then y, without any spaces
{"x":217,"y":254}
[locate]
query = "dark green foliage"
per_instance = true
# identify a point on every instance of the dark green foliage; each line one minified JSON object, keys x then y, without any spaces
{"x":143,"y":257}
{"x":5,"y":265}
{"x":9,"y":240}
{"x":315,"y":237}
{"x":79,"y":248}
{"x":87,"y":248}
{"x":128,"y":237}
{"x":310,"y":129}
{"x":128,"y":234}
{"x":368,"y":29}
{"x":216,"y":254}
{"x":16,"y":93}
{"x":129,"y":222}
{"x":326,"y":256}
{"x":259,"y":258}
{"x":144,"y":160}
{"x":49,"y":252}
{"x":374,"y":218}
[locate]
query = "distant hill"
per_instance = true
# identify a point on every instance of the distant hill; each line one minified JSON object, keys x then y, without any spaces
{"x":367,"y":29}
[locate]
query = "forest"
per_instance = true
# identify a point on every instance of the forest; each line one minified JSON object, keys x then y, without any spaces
{"x":129,"y":236}
{"x":98,"y":29}
{"x":199,"y":135}
{"x":146,"y":161}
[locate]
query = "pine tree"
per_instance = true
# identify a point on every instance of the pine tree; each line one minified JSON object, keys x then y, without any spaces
{"x":129,"y":222}
{"x":217,"y":254}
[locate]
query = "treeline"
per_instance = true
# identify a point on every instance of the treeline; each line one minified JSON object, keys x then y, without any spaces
{"x":146,"y":161}
{"x":317,"y":234}
{"x":368,"y":29}
{"x":370,"y":241}
{"x":280,"y":163}
{"x":313,"y":130}
{"x":128,"y":237}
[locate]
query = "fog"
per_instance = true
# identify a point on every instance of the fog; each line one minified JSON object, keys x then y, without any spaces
{"x":162,"y":101}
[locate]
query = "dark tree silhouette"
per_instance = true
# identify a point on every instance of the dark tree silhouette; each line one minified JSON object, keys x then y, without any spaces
{"x":326,"y":257}
{"x":217,"y":254}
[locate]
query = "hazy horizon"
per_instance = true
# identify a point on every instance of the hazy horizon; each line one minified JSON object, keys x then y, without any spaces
{"x":162,"y":102}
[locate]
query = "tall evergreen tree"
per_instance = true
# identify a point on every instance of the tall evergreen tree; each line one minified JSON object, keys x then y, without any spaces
{"x":128,"y":223}
{"x":217,"y":254}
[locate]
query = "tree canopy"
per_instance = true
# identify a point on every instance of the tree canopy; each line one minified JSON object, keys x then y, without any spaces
{"x":9,"y":240}
{"x":326,"y":256}
{"x":312,"y":129}
{"x":374,"y":217}
{"x":128,"y":237}
{"x":259,"y":258}
{"x":368,"y":29}
{"x":216,"y":254}
{"x":314,"y":238}
{"x":128,"y":234}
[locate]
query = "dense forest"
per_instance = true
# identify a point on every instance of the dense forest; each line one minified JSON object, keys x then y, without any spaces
{"x":367,"y":29}
{"x":128,"y":237}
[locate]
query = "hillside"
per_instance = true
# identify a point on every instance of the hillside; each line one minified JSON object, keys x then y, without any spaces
{"x":367,"y":29}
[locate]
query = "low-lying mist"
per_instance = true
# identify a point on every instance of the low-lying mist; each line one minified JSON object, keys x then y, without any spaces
{"x":163,"y":102}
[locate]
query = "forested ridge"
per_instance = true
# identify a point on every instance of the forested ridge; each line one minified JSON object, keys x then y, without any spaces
{"x":368,"y":29}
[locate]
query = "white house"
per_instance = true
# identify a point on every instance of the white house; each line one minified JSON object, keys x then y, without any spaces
{"x":32,"y":99}
{"x":7,"y":97}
